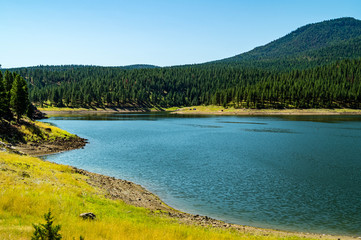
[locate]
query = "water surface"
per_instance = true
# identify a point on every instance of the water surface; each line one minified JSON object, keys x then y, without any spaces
{"x":291,"y":173}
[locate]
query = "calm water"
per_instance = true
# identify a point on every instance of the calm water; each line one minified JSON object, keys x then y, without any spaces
{"x":290,"y":173}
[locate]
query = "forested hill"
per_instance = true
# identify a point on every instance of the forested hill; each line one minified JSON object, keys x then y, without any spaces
{"x":308,"y":46}
{"x":329,"y":86}
{"x":316,"y":66}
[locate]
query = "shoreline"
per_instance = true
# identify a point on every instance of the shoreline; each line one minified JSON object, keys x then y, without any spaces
{"x":209,"y":110}
{"x":138,"y":196}
{"x":38,"y":149}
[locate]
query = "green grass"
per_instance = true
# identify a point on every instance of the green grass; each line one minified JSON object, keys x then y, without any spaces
{"x":31,"y":131}
{"x":30,"y":187}
{"x":39,"y":131}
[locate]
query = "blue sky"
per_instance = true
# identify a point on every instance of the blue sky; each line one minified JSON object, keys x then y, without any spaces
{"x":163,"y":33}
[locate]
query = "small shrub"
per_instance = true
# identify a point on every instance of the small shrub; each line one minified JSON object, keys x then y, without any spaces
{"x":46,"y":231}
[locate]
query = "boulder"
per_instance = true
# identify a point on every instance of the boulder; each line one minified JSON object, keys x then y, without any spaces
{"x":88,"y":216}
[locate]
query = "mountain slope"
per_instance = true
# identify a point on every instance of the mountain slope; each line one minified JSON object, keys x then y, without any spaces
{"x":312,"y":44}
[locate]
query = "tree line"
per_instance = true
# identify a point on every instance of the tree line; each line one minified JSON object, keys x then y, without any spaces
{"x":14,"y":96}
{"x":329,"y":86}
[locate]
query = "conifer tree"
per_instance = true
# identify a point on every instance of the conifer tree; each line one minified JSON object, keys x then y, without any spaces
{"x":19,"y":97}
{"x":8,"y":82}
{"x":4,"y":107}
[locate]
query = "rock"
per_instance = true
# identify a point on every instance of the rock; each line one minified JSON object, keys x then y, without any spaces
{"x":38,"y":114}
{"x":88,"y":216}
{"x":25,"y":174}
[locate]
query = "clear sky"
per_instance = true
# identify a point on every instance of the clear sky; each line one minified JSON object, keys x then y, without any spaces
{"x":158,"y":32}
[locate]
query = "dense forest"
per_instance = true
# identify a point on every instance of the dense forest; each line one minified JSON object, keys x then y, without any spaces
{"x":327,"y":86}
{"x":14,"y":96}
{"x":316,"y":66}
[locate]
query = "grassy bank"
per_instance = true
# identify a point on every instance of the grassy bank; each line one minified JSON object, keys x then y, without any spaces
{"x":36,"y":138}
{"x":31,"y":186}
{"x":210,"y":109}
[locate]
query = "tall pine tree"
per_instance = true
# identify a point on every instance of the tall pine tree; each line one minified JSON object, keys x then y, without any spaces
{"x":4,"y":102}
{"x":19,"y":97}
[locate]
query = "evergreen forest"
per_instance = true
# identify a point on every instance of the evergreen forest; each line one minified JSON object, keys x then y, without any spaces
{"x":315,"y":66}
{"x":14,"y":99}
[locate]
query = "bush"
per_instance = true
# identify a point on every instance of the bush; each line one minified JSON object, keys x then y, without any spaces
{"x":46,"y":231}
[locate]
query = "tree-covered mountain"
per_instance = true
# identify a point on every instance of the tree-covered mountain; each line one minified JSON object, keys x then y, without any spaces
{"x":327,"y":86}
{"x":316,"y":66}
{"x":310,"y":45}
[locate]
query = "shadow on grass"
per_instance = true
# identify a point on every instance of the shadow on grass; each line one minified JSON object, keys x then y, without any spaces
{"x":11,"y":133}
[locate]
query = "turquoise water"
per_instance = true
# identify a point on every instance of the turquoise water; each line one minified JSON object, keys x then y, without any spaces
{"x":289,"y":173}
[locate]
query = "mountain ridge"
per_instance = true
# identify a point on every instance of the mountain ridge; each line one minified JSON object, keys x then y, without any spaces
{"x":305,"y":42}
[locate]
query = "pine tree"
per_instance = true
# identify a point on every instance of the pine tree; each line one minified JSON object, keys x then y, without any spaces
{"x":47,"y":231}
{"x":4,"y":101}
{"x":8,"y":82}
{"x":19,"y":97}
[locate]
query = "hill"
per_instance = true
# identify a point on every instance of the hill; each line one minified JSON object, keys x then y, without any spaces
{"x":316,"y":66}
{"x":310,"y":45}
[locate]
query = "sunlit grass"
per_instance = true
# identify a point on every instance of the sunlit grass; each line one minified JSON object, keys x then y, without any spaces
{"x":39,"y":131}
{"x":30,"y":187}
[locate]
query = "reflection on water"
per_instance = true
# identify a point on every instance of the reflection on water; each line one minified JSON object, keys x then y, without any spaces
{"x":324,"y":119}
{"x":201,"y":126}
{"x":257,"y":123}
{"x":241,"y":169}
{"x":270,"y":130}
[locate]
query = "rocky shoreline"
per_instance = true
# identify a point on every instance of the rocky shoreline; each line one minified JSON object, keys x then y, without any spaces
{"x":138,"y":196}
{"x":55,"y":146}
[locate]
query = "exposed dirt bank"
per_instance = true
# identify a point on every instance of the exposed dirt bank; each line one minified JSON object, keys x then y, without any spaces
{"x":246,"y":112}
{"x":62,"y":112}
{"x":45,"y":148}
{"x":36,"y":138}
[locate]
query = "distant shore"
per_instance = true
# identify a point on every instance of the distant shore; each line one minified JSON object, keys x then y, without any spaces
{"x":61,"y":111}
{"x":206,"y":110}
{"x":216,"y":110}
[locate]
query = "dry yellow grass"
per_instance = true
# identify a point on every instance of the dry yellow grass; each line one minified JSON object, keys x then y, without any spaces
{"x":30,"y":186}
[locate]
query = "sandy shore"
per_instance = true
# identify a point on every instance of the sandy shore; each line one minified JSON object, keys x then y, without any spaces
{"x":65,"y":112}
{"x":204,"y":110}
{"x":259,"y":112}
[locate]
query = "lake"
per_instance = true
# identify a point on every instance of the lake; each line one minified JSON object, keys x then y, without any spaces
{"x":297,"y":173}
